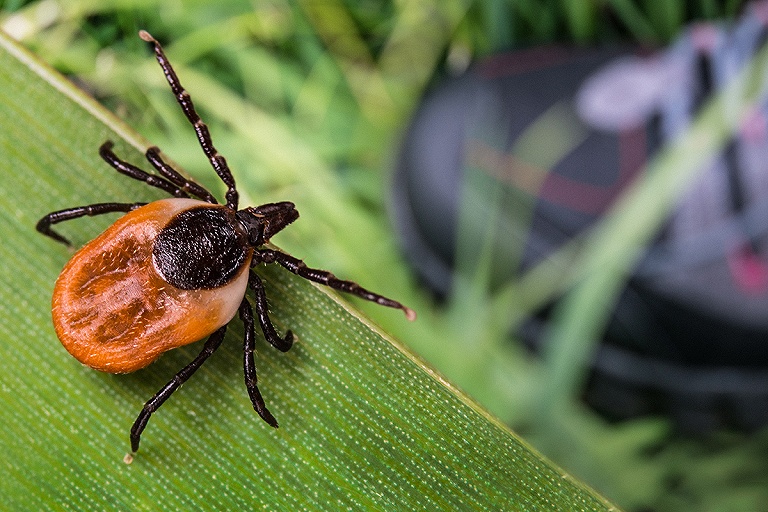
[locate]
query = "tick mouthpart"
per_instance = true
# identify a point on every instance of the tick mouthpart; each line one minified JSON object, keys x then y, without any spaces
{"x":263,"y":222}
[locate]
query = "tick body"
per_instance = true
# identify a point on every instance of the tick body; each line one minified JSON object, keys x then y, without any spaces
{"x":134,"y":292}
{"x":174,"y":271}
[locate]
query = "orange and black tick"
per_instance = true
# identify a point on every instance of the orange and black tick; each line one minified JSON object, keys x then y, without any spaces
{"x":173,"y":271}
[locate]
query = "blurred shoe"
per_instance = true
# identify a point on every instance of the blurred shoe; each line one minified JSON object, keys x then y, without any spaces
{"x":563,"y":132}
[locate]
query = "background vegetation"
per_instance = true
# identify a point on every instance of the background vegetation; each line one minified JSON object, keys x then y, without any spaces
{"x":307,"y":100}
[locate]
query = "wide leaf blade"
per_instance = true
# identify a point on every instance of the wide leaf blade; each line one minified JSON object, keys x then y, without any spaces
{"x":364,"y":425}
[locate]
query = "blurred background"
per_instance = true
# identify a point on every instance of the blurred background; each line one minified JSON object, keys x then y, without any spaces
{"x":573,"y":194}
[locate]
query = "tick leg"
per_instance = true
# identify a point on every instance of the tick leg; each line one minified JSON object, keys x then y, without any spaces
{"x":134,"y":172}
{"x":249,"y":346}
{"x":44,"y":224}
{"x":212,"y":343}
{"x":298,"y":267}
{"x":282,"y":344}
{"x":218,"y":162}
{"x":172,"y":175}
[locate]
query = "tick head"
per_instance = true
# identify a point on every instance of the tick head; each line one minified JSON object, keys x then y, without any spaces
{"x":263,"y":222}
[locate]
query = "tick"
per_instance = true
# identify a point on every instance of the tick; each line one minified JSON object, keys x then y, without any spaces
{"x":171,"y":272}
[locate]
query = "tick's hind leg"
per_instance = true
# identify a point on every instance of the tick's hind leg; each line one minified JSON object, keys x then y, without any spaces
{"x":298,"y":267}
{"x":249,"y":365}
{"x":212,"y":343}
{"x":44,"y":224}
{"x":282,"y":344}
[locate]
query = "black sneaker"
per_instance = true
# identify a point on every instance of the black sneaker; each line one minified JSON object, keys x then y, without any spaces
{"x":689,"y":336}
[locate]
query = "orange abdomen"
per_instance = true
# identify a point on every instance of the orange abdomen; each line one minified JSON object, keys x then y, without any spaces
{"x":114,"y":312}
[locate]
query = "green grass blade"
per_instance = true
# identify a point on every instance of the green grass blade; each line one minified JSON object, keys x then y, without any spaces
{"x":364,"y":424}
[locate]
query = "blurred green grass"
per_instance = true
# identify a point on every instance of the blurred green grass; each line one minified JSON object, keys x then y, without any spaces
{"x":307,"y":101}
